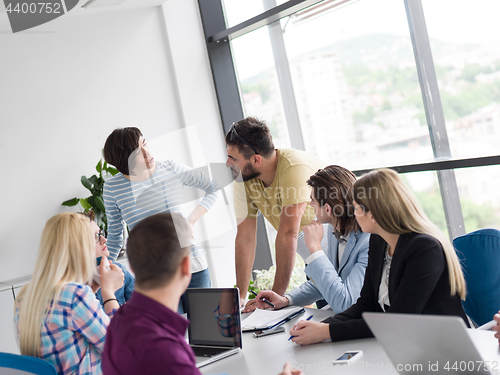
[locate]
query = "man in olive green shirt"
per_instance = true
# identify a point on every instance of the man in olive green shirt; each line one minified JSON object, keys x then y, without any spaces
{"x":273,"y":182}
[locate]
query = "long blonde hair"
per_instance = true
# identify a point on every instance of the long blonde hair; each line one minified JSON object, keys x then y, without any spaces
{"x":65,"y":255}
{"x":396,"y":209}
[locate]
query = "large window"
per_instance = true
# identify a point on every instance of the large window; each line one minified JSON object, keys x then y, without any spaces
{"x":480,"y":197}
{"x":354,"y":79}
{"x":466,"y":53}
{"x":258,"y":81}
{"x":356,"y":85}
{"x":478,"y":191}
{"x":369,"y":81}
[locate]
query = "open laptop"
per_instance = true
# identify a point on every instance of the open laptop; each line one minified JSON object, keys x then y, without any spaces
{"x":215,"y":327}
{"x":426,"y":343}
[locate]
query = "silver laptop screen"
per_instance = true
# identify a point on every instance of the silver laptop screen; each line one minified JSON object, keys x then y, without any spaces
{"x":214,"y":316}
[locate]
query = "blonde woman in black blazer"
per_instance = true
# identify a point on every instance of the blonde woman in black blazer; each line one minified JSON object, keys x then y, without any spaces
{"x":412,"y":266}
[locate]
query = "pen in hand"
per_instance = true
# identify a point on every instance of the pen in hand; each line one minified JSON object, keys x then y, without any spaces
{"x":309,"y":318}
{"x":263,"y":299}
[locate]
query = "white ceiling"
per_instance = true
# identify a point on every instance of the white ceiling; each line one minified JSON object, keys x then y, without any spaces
{"x":79,"y":11}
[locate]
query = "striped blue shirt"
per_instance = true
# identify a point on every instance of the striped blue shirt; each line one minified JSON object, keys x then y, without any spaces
{"x":131,"y":201}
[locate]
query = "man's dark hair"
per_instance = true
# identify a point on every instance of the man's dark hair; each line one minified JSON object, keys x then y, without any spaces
{"x":256,"y":133}
{"x":154,"y":249}
{"x":119,"y":145}
{"x":333,"y":185}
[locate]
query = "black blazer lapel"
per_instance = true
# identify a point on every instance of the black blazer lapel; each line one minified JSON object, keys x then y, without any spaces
{"x":378,"y":261}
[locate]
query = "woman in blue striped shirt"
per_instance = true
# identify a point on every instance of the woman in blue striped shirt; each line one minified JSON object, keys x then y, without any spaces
{"x":145,"y":187}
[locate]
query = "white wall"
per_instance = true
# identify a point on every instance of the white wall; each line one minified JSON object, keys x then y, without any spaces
{"x":66,"y":85}
{"x":62,"y":93}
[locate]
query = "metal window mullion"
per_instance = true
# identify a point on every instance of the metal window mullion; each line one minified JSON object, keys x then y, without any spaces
{"x":229,"y":100}
{"x":272,"y":14}
{"x":437,"y":165}
{"x":434,"y":115}
{"x":285,"y":81}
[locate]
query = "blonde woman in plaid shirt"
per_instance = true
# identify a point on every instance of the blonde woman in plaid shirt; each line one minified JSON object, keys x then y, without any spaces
{"x":74,"y":325}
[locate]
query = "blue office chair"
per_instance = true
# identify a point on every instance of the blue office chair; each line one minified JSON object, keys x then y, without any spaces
{"x":479,"y":253}
{"x":12,"y":363}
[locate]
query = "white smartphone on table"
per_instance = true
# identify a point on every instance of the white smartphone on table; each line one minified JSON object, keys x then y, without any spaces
{"x":348,"y":357}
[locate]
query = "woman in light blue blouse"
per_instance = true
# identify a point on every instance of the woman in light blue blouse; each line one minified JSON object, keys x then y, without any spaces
{"x":145,"y":187}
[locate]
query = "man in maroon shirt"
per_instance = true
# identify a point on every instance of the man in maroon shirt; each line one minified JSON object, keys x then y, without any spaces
{"x":146,"y":335}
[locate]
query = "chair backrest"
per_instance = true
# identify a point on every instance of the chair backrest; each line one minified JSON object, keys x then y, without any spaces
{"x":16,"y":364}
{"x":479,"y":253}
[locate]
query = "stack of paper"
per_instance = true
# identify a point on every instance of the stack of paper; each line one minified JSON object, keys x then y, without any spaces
{"x":265,"y":319}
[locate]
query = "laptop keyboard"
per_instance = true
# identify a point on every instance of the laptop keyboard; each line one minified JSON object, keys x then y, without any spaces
{"x":201,"y":351}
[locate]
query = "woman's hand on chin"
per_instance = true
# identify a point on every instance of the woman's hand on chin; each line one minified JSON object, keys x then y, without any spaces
{"x":111,"y":278}
{"x":307,"y":333}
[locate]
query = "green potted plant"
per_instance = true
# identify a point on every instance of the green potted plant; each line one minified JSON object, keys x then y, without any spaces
{"x":95,"y":185}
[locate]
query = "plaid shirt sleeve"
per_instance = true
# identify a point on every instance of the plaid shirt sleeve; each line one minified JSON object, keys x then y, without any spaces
{"x":73,"y":332}
{"x":226,"y":322}
{"x":88,"y":318}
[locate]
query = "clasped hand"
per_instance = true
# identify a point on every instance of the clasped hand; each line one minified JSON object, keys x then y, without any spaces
{"x":313,"y":234}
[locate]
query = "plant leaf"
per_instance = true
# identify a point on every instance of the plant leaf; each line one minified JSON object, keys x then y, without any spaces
{"x":111,"y":170}
{"x":98,"y":167}
{"x":94,"y":180}
{"x":99,"y":203}
{"x":85,"y":182}
{"x":86,"y":206}
{"x":98,"y":186}
{"x":70,"y":202}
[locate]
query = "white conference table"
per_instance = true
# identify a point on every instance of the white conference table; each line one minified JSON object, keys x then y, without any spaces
{"x":267,"y":355}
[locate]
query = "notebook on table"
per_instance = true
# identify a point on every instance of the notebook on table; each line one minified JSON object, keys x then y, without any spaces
{"x":432,"y":344}
{"x":214,"y":323}
{"x":261,"y":319}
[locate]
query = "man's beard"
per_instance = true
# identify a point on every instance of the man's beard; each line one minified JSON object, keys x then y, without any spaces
{"x":246,"y":174}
